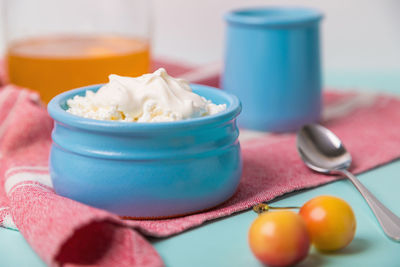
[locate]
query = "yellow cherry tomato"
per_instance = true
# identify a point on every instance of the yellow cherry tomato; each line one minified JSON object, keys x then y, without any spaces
{"x":330,"y":222}
{"x":279,"y":238}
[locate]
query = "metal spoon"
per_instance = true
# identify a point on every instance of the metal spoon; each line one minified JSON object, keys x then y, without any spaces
{"x":322,"y":151}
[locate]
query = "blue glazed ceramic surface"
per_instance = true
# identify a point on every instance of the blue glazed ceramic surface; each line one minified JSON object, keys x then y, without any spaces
{"x":147,"y":170}
{"x":272,"y":64}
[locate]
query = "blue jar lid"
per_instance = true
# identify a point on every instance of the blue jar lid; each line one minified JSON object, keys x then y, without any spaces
{"x":274,"y":16}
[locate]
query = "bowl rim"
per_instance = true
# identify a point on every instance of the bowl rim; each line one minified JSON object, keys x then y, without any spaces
{"x":60,"y":115}
{"x":274,"y":15}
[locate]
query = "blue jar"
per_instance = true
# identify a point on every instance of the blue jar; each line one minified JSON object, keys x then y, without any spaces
{"x":147,"y":170}
{"x":272,"y":64}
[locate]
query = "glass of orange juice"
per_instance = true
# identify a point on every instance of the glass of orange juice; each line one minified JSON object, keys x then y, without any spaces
{"x":56,"y":45}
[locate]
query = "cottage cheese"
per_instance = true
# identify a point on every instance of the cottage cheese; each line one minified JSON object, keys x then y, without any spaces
{"x":154,"y":97}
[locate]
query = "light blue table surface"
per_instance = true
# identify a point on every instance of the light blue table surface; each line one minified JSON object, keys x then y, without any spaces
{"x":224,"y":242}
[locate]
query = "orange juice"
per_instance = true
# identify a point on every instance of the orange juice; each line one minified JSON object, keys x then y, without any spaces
{"x":54,"y":64}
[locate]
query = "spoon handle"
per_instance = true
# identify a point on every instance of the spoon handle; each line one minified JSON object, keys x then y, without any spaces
{"x":388,"y":220}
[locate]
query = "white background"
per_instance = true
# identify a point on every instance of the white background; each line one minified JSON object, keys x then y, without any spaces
{"x":357,"y":34}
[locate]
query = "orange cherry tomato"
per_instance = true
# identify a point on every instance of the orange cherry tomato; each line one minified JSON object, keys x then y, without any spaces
{"x":330,"y":222}
{"x":279,"y":238}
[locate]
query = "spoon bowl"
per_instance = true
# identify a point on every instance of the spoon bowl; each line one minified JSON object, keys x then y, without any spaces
{"x":321,"y":150}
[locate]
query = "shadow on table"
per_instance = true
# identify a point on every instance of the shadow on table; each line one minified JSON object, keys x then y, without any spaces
{"x":358,"y":245}
{"x":314,"y":259}
{"x":317,"y":258}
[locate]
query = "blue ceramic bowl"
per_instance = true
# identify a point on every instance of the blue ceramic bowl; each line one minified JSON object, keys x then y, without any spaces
{"x":147,"y":170}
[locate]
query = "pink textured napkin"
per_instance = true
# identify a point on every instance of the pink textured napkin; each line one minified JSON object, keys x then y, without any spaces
{"x":63,"y":231}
